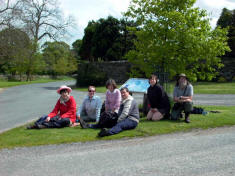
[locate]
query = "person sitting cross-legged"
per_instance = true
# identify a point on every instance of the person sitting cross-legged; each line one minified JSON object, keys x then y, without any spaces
{"x":128,"y":115}
{"x":90,"y":108}
{"x":183,"y":98}
{"x":63,"y":114}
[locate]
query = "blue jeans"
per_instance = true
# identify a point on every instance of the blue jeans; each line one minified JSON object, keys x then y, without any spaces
{"x":125,"y":124}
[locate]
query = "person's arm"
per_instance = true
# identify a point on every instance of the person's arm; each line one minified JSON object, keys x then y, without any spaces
{"x":98,"y":108}
{"x":81,"y":108}
{"x":117,"y":101}
{"x":55,"y":111}
{"x":106,"y":101}
{"x":125,"y":111}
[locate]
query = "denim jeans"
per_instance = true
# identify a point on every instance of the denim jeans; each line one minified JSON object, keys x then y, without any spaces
{"x":125,"y":124}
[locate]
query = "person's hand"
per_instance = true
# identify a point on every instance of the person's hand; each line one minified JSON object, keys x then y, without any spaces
{"x":48,"y":119}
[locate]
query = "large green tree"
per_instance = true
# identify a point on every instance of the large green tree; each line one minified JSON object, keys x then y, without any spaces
{"x":107,"y":39}
{"x":227,"y":20}
{"x":59,"y":58}
{"x":176,"y":37}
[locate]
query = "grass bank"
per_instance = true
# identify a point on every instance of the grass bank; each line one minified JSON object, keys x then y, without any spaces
{"x":4,"y":83}
{"x":199,"y":88}
{"x":20,"y":137}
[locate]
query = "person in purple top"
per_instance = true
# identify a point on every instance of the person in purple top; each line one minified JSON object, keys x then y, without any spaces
{"x":112,"y":105}
{"x":113,"y":97}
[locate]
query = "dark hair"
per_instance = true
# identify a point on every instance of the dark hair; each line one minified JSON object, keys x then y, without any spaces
{"x":90,"y":87}
{"x":111,"y":82}
{"x":63,"y":90}
{"x":153,"y":76}
{"x":125,"y":88}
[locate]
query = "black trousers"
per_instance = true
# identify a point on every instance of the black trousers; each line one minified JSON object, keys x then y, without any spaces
{"x":55,"y":122}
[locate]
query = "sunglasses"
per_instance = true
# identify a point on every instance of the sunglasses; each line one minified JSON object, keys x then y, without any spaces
{"x":91,"y":90}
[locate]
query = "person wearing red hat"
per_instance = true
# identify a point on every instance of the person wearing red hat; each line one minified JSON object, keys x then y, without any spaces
{"x":63,"y":114}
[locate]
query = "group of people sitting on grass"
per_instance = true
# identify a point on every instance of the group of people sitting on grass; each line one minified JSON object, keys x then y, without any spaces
{"x":119,"y":111}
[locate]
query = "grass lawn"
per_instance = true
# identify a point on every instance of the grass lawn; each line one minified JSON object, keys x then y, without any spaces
{"x":199,"y":88}
{"x":19,"y":137}
{"x":4,"y":83}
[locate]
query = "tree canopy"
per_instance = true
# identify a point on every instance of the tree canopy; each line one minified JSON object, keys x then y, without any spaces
{"x":58,"y":58}
{"x":176,"y":37}
{"x":227,"y":20}
{"x":106,"y":39}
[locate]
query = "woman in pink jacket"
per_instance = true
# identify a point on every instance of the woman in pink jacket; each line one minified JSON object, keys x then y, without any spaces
{"x":113,"y":97}
{"x":63,"y":114}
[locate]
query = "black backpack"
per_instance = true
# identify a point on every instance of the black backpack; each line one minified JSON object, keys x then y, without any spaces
{"x":108,"y":119}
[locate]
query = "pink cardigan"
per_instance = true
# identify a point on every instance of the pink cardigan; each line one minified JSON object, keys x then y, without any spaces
{"x":113,"y":100}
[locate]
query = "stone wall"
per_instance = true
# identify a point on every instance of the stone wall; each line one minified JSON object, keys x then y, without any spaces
{"x":117,"y":70}
{"x":90,"y":73}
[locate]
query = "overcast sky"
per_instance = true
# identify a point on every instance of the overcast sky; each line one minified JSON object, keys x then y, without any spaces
{"x":86,"y":10}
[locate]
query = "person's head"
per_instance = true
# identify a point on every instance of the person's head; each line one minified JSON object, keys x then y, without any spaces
{"x":64,"y":91}
{"x":182,"y":80}
{"x":91,"y":91}
{"x":111,"y":85}
{"x":124,"y":92}
{"x":153,"y":79}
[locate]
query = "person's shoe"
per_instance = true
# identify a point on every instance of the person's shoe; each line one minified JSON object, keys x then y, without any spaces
{"x":31,"y":127}
{"x":41,"y":126}
{"x":83,"y":124}
{"x":103,"y":132}
{"x":187,"y":120}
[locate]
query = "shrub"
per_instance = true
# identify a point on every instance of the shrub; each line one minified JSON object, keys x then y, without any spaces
{"x":88,"y":74}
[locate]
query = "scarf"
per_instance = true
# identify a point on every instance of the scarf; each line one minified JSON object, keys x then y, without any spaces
{"x":63,"y":101}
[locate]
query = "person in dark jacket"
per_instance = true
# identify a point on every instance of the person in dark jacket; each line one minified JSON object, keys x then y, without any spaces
{"x":128,"y":115}
{"x":158,"y":100}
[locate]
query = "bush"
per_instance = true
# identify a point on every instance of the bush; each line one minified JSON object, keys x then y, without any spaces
{"x":88,"y":74}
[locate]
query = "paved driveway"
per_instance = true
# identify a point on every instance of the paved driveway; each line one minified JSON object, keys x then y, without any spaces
{"x":197,"y":153}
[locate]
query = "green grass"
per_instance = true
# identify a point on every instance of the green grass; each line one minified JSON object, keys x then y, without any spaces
{"x":4,"y":83}
{"x":99,"y":89}
{"x":199,"y":88}
{"x":214,"y":88}
{"x":19,"y":137}
{"x":210,"y":88}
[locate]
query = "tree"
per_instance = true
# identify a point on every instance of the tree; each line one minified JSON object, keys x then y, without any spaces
{"x":14,"y":47}
{"x":15,"y":51}
{"x":8,"y":12}
{"x":41,"y":20}
{"x":176,"y":37}
{"x":76,"y":48}
{"x":227,"y":20}
{"x":107,"y":39}
{"x":58,"y":58}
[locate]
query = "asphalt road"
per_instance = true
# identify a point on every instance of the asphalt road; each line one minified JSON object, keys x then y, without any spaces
{"x":21,"y":104}
{"x":197,"y":153}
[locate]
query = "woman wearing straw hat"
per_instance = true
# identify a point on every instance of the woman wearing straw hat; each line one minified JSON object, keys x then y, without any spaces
{"x":63,"y":114}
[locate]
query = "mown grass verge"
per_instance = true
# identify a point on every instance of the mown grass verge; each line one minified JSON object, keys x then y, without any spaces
{"x":4,"y":83}
{"x":199,"y":88}
{"x":21,"y":137}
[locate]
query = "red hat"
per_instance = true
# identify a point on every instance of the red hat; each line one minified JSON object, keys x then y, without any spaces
{"x":64,"y":87}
